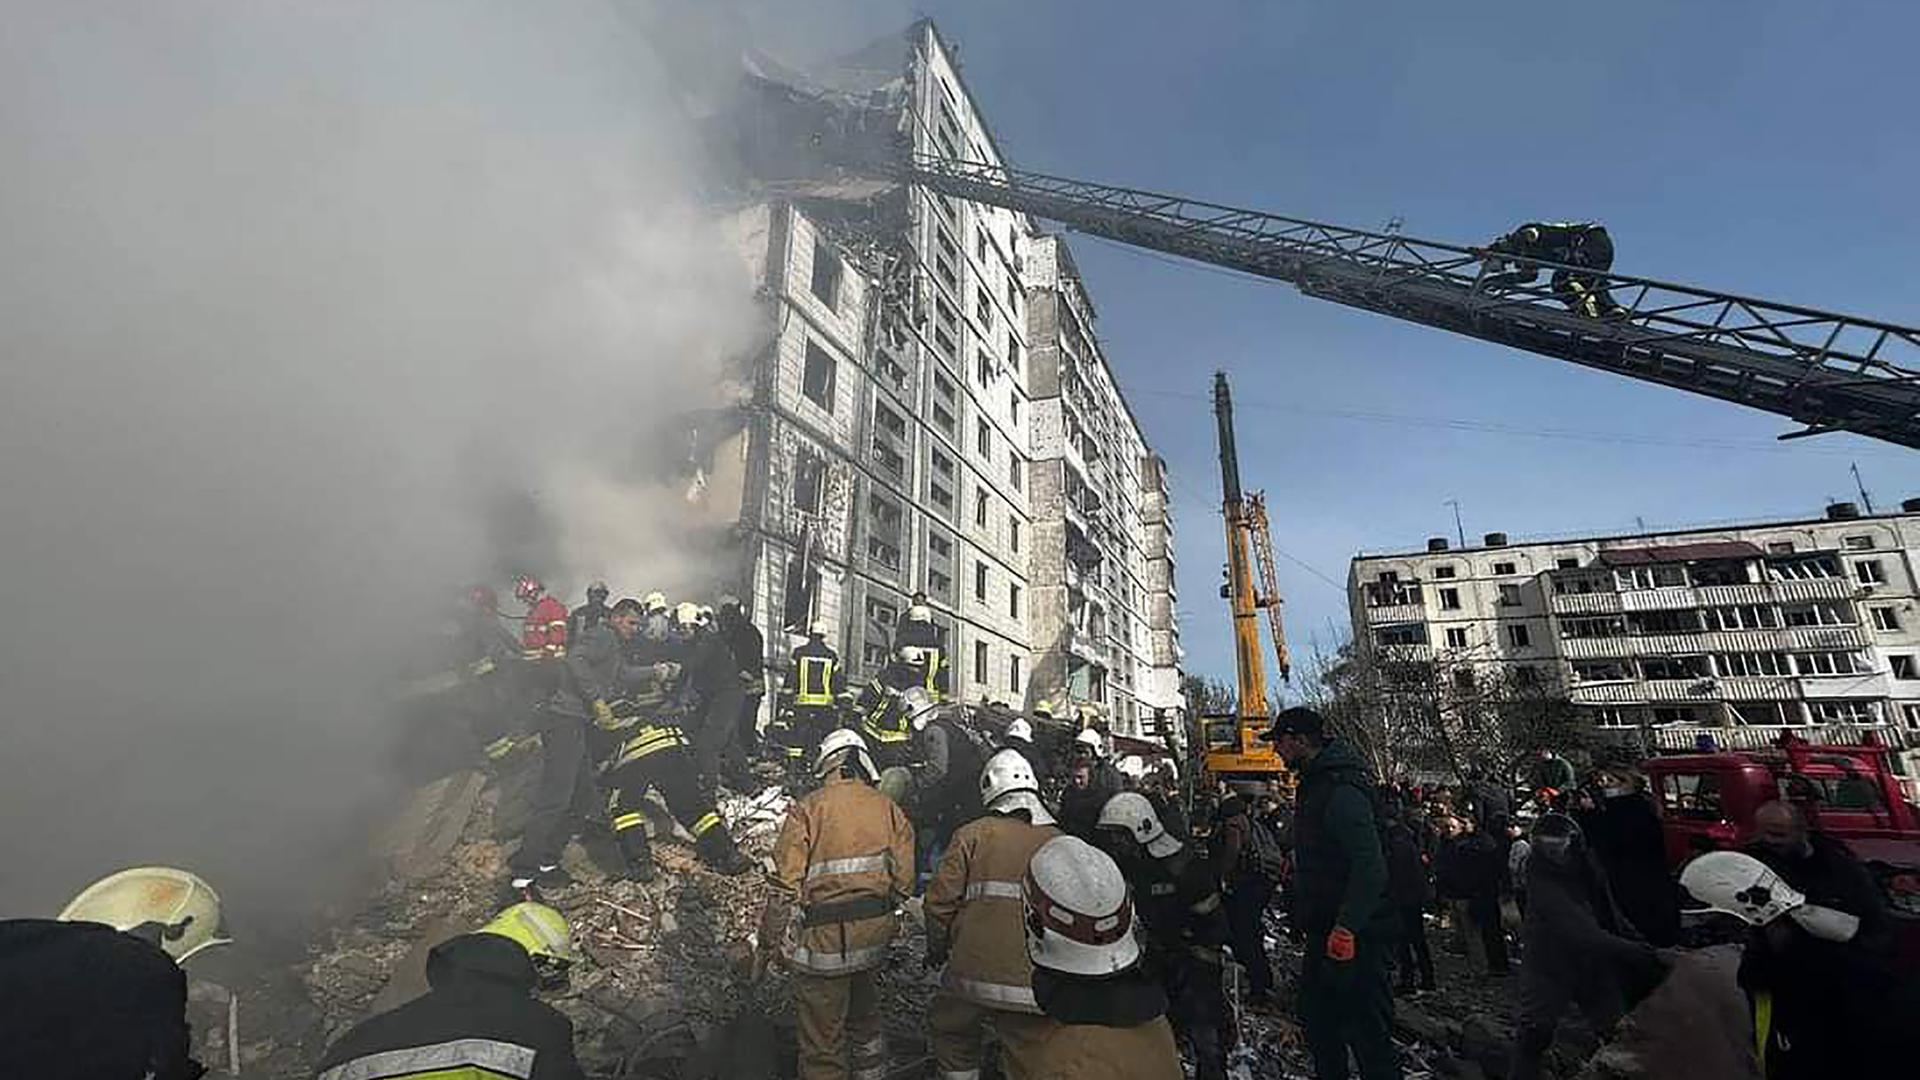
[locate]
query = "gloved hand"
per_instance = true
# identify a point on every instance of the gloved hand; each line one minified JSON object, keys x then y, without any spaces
{"x":481,"y":667}
{"x":603,"y":716}
{"x":1340,"y":944}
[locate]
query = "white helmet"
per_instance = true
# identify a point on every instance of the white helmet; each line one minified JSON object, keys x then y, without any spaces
{"x":1739,"y":885}
{"x":1133,"y":767}
{"x":1007,"y":784}
{"x":183,"y":907}
{"x":835,"y":748}
{"x":654,"y":601}
{"x":911,"y":654}
{"x":686,"y":613}
{"x":1131,"y":811}
{"x":819,"y":628}
{"x":1079,"y":917}
{"x":704,"y":614}
{"x":1020,"y":729}
{"x":918,"y":704}
{"x":920,"y":613}
{"x":1090,"y":738}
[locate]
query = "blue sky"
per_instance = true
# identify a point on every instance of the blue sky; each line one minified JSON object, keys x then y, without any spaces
{"x":1763,"y":148}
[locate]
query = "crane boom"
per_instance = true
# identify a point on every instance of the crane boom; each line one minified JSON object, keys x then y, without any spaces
{"x":1828,"y":371}
{"x":1241,"y":594}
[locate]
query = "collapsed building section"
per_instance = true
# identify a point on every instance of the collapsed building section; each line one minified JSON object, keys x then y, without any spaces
{"x":931,"y":413}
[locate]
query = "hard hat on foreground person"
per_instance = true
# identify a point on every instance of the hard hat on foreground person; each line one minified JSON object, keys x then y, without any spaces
{"x":174,"y":909}
{"x":1007,"y":783}
{"x":1019,"y":730}
{"x":1086,"y":970}
{"x":1130,"y":812}
{"x":840,"y":748}
{"x":480,"y":1017}
{"x":98,"y":993}
{"x":1088,"y":741}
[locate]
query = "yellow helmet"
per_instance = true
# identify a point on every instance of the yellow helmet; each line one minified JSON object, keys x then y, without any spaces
{"x":544,"y":933}
{"x":182,"y":909}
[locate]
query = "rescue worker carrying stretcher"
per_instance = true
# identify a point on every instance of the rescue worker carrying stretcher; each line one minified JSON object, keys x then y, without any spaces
{"x":1178,"y":900}
{"x":1582,"y":244}
{"x":651,"y":751}
{"x":843,"y":860}
{"x":975,"y":928}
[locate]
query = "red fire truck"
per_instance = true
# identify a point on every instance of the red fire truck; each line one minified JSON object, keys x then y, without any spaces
{"x":1851,"y":793}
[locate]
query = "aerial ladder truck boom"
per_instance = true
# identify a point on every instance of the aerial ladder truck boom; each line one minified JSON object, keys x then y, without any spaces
{"x":1233,"y":745}
{"x":1829,"y":371}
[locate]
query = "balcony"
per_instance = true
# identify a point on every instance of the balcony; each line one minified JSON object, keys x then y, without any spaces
{"x":1397,"y":613}
{"x":1606,"y":693}
{"x":1593,"y":603}
{"x":1686,"y":737}
{"x":1870,"y":686}
{"x":1771,"y":592}
{"x":1790,"y":639}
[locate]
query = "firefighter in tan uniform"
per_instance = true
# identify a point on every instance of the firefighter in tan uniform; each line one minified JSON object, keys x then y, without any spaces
{"x":975,"y":925}
{"x":1087,"y":973}
{"x":844,"y":859}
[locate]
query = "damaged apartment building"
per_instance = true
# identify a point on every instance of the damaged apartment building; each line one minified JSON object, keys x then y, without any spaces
{"x":931,"y":412}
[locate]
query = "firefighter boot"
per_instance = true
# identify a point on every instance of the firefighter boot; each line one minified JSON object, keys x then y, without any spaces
{"x":715,"y":848}
{"x":635,"y":849}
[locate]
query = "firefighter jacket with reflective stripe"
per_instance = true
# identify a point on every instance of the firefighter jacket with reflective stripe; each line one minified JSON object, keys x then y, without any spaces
{"x":882,"y":720}
{"x":590,"y":673}
{"x":480,"y":1021}
{"x":1097,"y":1052}
{"x":845,"y":855}
{"x":816,"y":668}
{"x":543,"y":633}
{"x":974,"y":911}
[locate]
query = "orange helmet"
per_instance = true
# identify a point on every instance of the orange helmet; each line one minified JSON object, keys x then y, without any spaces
{"x":528,"y":588}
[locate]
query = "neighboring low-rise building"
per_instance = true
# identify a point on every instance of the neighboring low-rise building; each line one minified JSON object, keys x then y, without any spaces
{"x":1739,"y":633}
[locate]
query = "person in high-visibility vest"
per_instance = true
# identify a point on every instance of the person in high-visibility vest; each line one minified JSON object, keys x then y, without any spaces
{"x":916,"y":644}
{"x":817,"y":679}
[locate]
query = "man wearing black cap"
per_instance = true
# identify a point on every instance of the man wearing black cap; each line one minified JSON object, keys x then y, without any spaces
{"x":1339,"y":903}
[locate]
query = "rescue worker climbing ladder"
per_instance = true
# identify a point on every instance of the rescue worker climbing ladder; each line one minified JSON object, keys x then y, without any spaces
{"x":843,"y":859}
{"x":1581,"y":244}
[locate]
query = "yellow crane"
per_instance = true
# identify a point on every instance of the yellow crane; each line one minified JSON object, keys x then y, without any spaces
{"x":1234,"y":746}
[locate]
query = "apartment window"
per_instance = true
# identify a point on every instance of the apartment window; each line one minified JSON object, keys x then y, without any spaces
{"x":1857,"y":543}
{"x":1885,"y":618}
{"x":1911,"y":714}
{"x":1650,"y":577}
{"x":1509,"y":596}
{"x":873,"y":653}
{"x":809,"y":477}
{"x":1013,"y":674}
{"x":1823,"y":613}
{"x":1013,"y":604}
{"x":1593,"y":628}
{"x":944,"y":341}
{"x":943,"y":419}
{"x":1450,"y":599}
{"x":1456,"y":637}
{"x":1442,"y":572}
{"x":1404,"y":634}
{"x":1013,"y":351}
{"x":1014,"y":472}
{"x":1013,"y":407}
{"x":1567,"y":562}
{"x":983,"y":309}
{"x":1869,"y":572}
{"x":1013,"y":534}
{"x":816,"y":381}
{"x":983,"y":439}
{"x":939,"y":584}
{"x":941,"y":547}
{"x":1743,"y":617}
{"x":883,"y":532}
{"x":941,"y":496}
{"x":1827,"y":663}
{"x":1851,"y":711}
{"x":980,"y":244}
{"x":880,"y":613}
{"x":1804,"y":568}
{"x":1683,"y":621}
{"x":1752,"y":664}
{"x":1501,"y":569}
{"x":1518,"y":636}
{"x":979,"y":581}
{"x":889,"y":459}
{"x":884,"y":416}
{"x":1779,"y":547}
{"x":980,"y":662}
{"x":980,"y":508}
{"x":1902,"y":666}
{"x":826,"y":275}
{"x":1600,"y":671}
{"x":889,"y":369}
{"x":983,"y":369}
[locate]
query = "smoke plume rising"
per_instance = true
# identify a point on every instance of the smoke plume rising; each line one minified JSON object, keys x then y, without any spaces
{"x":293,"y":294}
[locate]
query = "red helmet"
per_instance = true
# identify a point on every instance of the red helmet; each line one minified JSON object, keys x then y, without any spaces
{"x":484,"y":598}
{"x":528,"y":588}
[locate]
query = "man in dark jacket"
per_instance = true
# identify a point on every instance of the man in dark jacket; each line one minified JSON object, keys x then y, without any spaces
{"x":1407,"y":891}
{"x":479,"y":1017}
{"x":1579,"y":949}
{"x":84,"y":1001}
{"x":749,"y":649}
{"x":1091,"y":781}
{"x":1340,"y":902}
{"x":1623,"y":831}
{"x":590,"y":614}
{"x":946,"y":787}
{"x":1247,"y":890}
{"x":1834,"y":1006}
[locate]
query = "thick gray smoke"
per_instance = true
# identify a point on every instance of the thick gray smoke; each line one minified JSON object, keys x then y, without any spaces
{"x":292,"y":295}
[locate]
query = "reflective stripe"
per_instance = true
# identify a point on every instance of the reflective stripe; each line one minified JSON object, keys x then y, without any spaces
{"x":628,"y":821}
{"x":886,"y":735}
{"x":650,"y":740}
{"x":706,"y":822}
{"x":857,"y":864}
{"x":500,"y":1058}
{"x":996,"y":890}
{"x":994,"y":995}
{"x":816,"y":681}
{"x":836,"y":963}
